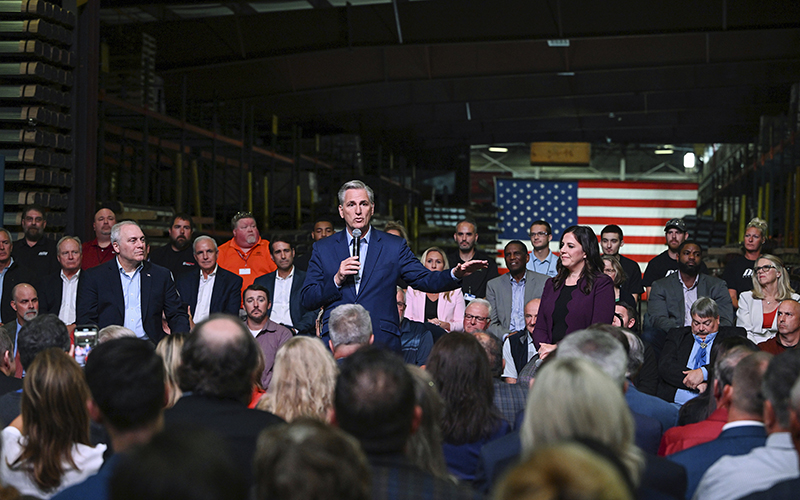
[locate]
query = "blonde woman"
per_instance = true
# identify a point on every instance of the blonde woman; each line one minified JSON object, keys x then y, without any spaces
{"x":758,"y":307}
{"x":445,"y":309}
{"x":303,"y":380}
{"x":169,"y":348}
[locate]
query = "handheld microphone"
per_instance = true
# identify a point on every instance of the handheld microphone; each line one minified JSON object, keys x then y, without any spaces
{"x":357,"y":243}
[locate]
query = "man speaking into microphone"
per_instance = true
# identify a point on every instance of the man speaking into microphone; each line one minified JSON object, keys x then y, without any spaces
{"x":361,"y":266}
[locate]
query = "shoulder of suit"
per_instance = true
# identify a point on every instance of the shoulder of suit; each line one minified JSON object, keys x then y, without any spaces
{"x":533,"y":275}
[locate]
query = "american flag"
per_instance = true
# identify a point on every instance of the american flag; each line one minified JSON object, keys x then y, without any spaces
{"x":640,"y":208}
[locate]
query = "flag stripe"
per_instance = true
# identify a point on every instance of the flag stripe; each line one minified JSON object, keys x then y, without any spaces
{"x":688,"y":186}
{"x":611,"y":214}
{"x":623,"y":222}
{"x":608,"y":202}
{"x":637,"y":194}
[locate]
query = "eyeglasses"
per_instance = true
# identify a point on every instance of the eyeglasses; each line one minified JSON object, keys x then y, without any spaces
{"x":540,"y":234}
{"x":764,"y":269}
{"x":469,"y":317}
{"x":401,"y":305}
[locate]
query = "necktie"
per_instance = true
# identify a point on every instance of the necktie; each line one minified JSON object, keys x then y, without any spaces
{"x":701,"y":358}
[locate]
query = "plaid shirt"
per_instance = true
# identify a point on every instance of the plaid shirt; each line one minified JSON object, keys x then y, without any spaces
{"x":509,"y":399}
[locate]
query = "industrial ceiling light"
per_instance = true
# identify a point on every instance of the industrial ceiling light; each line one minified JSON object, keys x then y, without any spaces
{"x":664,"y":151}
{"x":496,"y":149}
{"x":689,"y":160}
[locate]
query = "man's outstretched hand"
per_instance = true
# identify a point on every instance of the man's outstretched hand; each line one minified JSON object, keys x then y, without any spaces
{"x":467,"y":268}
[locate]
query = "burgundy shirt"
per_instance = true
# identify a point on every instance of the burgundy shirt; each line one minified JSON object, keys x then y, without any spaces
{"x":94,"y":255}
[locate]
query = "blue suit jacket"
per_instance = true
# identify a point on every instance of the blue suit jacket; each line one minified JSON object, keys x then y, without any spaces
{"x":302,"y":319}
{"x":639,"y":402}
{"x":225,"y":296}
{"x":736,"y":441}
{"x":388,"y":258}
{"x":100,"y":300}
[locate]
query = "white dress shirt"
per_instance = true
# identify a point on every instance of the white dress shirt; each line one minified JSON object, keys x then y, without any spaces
{"x":204,"y":291}
{"x":280,"y":302}
{"x":69,"y":291}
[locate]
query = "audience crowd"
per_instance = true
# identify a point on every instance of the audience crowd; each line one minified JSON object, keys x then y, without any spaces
{"x":211,"y":373}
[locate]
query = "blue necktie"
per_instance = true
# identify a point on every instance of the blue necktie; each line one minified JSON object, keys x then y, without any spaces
{"x":701,"y":359}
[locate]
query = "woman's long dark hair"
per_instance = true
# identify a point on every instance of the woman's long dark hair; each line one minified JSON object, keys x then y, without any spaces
{"x":594,"y":261}
{"x":460,"y":369}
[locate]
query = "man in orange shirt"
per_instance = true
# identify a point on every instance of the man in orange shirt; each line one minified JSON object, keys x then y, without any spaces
{"x":246,"y":254}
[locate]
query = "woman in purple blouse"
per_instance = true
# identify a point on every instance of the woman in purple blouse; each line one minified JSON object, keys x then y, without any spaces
{"x":578,"y":296}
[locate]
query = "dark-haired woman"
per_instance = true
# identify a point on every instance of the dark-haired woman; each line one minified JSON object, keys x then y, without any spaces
{"x":579,"y":295}
{"x":460,"y":369}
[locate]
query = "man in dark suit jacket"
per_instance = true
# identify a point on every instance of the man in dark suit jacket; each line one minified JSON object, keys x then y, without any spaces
{"x":336,"y":277}
{"x":745,"y":407}
{"x":51,"y":287}
{"x":220,"y":375}
{"x":100,"y":290}
{"x":224,"y":296}
{"x":683,"y":365}
{"x":285,"y":308}
{"x":13,"y":274}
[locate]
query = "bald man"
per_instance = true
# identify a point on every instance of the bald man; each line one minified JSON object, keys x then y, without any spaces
{"x":518,"y":348}
{"x":99,"y":250}
{"x":788,"y":329}
{"x":25,"y":303}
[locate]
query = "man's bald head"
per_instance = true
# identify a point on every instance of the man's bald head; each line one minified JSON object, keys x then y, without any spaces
{"x":219,"y":359}
{"x":788,"y":318}
{"x":25,"y":302}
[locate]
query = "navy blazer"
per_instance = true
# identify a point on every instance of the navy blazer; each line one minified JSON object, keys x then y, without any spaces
{"x":16,"y":274}
{"x":388,"y":258}
{"x":735,"y":441}
{"x":49,"y":291}
{"x":302,"y":319}
{"x":100,"y":299}
{"x":675,"y":358}
{"x":225,"y":296}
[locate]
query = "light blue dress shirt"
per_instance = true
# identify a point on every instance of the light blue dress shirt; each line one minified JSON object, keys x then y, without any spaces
{"x":517,"y":322}
{"x":548,"y":266}
{"x":682,"y":395}
{"x":132,"y":294}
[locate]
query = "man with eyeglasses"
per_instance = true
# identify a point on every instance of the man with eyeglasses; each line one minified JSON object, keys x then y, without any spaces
{"x":246,"y":254}
{"x":477,"y":316}
{"x":34,"y":250}
{"x":739,"y":271}
{"x":542,"y":259}
{"x":518,"y":348}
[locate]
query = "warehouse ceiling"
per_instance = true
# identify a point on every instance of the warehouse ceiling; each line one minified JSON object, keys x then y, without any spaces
{"x":450,"y":73}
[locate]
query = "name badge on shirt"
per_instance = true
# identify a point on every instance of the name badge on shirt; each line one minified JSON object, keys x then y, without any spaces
{"x":244,"y":270}
{"x":469,"y":296}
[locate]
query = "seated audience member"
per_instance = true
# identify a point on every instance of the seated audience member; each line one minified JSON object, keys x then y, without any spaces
{"x":47,"y":448}
{"x":580,"y":295}
{"x":350,"y":329}
{"x":34,"y":250}
{"x":466,"y":236}
{"x":374,"y":402}
{"x":415,"y":339}
{"x":112,"y":332}
{"x":613,"y":269}
{"x":303,"y":380}
{"x":631,"y":284}
{"x":218,"y":366}
{"x":269,"y":335}
{"x":788,"y":319}
{"x":13,"y":273}
{"x":58,"y":291}
{"x":461,"y":371}
{"x":757,"y":307}
{"x":542,"y":260}
{"x":25,"y":303}
{"x":180,"y":463}
{"x":744,"y":429}
{"x":738,"y":272}
{"x":424,"y":447}
{"x":39,"y":334}
{"x":735,"y":477}
{"x":566,"y":470}
{"x":130,"y":291}
{"x":207,"y":288}
{"x":670,"y":299}
{"x":786,"y":490}
{"x":309,"y":460}
{"x":683,"y":365}
{"x":323,"y":227}
{"x":508,"y":398}
{"x":126,"y":379}
{"x":177,"y":255}
{"x":8,"y":365}
{"x":444,"y":309}
{"x":246,"y":254}
{"x":170,"y":351}
{"x":99,"y":250}
{"x":725,"y":355}
{"x":666,"y":263}
{"x":508,"y":294}
{"x":646,"y":377}
{"x":477,"y":316}
{"x":518,"y":349}
{"x":284,"y":285}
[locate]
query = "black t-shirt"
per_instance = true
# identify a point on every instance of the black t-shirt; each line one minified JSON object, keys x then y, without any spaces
{"x":662,"y":266}
{"x":177,"y":262}
{"x":40,"y":258}
{"x":633,"y":282}
{"x":739,"y":274}
{"x":475,"y":283}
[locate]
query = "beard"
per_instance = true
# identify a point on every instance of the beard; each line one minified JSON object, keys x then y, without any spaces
{"x":180,"y":243}
{"x":33,"y":234}
{"x":691,"y":270}
{"x":257,"y":317}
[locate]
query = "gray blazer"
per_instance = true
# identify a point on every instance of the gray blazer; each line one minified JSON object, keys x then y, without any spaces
{"x":498,"y":293}
{"x":665,"y":304}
